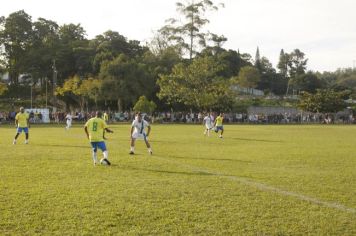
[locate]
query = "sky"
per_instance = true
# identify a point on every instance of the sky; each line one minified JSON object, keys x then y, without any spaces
{"x":325,"y":30}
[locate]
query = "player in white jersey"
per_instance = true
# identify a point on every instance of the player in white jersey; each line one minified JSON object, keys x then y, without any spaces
{"x":209,"y":123}
{"x":138,"y":131}
{"x":69,"y":119}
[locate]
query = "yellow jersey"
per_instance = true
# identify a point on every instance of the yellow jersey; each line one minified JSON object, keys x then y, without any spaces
{"x":22,"y":119}
{"x":96,"y":127}
{"x":219,"y":121}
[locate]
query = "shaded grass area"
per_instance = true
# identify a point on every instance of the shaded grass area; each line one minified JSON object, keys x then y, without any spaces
{"x":51,"y":187}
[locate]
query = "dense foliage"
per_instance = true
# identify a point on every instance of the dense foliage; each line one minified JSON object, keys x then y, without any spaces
{"x":184,"y":67}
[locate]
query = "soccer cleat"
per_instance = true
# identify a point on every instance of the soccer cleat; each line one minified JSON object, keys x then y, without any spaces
{"x":105,"y":161}
{"x":14,"y":142}
{"x":220,"y":136}
{"x":26,"y":141}
{"x":131,"y":153}
{"x":94,"y":163}
{"x":150,"y":152}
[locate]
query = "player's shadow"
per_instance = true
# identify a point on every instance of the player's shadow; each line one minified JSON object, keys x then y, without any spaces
{"x":258,"y":140}
{"x":208,"y":159}
{"x":198,"y":173}
{"x":62,"y":146}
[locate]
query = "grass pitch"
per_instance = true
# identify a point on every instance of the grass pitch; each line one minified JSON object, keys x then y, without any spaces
{"x":258,"y":180}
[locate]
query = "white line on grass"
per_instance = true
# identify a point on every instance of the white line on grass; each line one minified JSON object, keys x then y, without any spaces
{"x":266,"y":188}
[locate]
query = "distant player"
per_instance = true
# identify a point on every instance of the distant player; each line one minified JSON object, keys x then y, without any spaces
{"x":94,"y":128}
{"x":209,"y":124}
{"x":106,"y":117}
{"x":22,"y":123}
{"x":219,"y":124}
{"x":69,"y":119}
{"x":138,"y":132}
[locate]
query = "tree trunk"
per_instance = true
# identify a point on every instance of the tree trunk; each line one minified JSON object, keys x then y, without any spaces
{"x":287,"y":87}
{"x":191,"y":39}
{"x":119,"y":104}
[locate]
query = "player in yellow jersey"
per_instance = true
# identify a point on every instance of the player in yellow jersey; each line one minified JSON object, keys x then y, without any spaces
{"x":219,"y":124}
{"x":95,"y":128}
{"x":22,"y":124}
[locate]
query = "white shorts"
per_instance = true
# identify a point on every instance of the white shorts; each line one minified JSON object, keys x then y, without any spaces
{"x":69,"y":123}
{"x":137,"y":135}
{"x":208,"y":127}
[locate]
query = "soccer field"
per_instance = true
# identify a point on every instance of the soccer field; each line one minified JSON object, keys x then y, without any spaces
{"x":258,"y":180}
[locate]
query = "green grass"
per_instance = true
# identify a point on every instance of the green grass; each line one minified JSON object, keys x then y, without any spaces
{"x":191,"y":185}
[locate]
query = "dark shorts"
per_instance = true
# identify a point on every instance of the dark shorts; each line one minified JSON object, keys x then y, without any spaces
{"x":20,"y":130}
{"x":100,"y":145}
{"x":217,"y":128}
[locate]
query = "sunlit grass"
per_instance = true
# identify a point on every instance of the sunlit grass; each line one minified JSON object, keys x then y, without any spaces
{"x":191,"y":185}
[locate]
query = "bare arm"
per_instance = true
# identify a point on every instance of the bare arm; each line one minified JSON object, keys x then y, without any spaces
{"x":109,"y":130}
{"x":86,"y":131}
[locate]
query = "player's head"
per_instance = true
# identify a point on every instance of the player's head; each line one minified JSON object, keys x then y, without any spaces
{"x":98,"y":114}
{"x":221,"y":114}
{"x":139,"y":116}
{"x":22,"y":110}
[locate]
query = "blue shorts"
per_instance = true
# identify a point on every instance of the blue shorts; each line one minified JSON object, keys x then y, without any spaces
{"x":25,"y":130}
{"x":100,"y":145}
{"x":217,"y":128}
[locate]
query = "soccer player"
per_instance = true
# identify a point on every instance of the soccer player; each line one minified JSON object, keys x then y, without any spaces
{"x":138,"y":132}
{"x":106,"y":117}
{"x":208,"y":121}
{"x":69,"y":119}
{"x":219,"y":124}
{"x":94,"y":128}
{"x":22,"y":123}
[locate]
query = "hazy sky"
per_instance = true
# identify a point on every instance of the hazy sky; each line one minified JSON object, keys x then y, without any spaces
{"x":324,"y":29}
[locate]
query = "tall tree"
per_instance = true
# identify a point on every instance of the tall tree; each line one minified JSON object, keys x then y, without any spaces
{"x":324,"y":101}
{"x":124,"y":80}
{"x":188,"y":34}
{"x":16,"y":37}
{"x":43,"y":49}
{"x":297,"y":63}
{"x":249,"y":77}
{"x":308,"y":82}
{"x":283,"y":64}
{"x":197,"y":85}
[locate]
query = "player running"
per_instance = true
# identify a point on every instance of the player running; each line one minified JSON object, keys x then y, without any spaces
{"x":138,"y":132}
{"x":22,"y":123}
{"x":219,"y":124}
{"x":209,"y":124}
{"x":69,"y":119}
{"x":95,"y":128}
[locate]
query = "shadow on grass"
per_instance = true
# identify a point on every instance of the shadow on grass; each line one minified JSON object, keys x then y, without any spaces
{"x":198,"y":173}
{"x":258,"y":140}
{"x":62,"y":146}
{"x":207,"y":159}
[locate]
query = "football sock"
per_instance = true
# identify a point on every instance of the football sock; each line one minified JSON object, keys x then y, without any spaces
{"x":94,"y":157}
{"x":105,"y":154}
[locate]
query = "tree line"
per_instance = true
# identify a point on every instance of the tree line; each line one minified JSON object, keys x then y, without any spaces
{"x":183,"y":67}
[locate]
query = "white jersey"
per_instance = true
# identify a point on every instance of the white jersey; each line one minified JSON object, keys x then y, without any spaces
{"x":208,"y":120}
{"x":69,"y":118}
{"x":140,"y":126}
